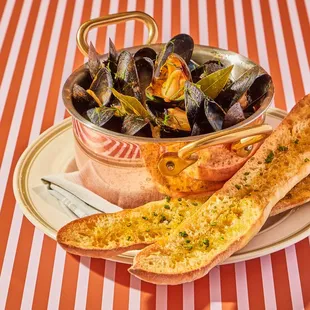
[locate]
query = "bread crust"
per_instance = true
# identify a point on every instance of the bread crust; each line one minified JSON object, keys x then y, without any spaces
{"x":288,"y":179}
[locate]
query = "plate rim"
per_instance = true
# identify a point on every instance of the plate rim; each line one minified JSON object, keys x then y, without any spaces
{"x":21,"y":192}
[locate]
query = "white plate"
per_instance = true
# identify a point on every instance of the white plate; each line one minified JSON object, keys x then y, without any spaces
{"x":53,"y":152}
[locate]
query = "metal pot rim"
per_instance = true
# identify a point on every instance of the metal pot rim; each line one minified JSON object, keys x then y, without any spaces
{"x":67,"y":98}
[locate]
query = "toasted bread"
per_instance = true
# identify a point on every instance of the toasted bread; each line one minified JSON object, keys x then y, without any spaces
{"x":106,"y":235}
{"x":235,"y":213}
{"x":298,"y":196}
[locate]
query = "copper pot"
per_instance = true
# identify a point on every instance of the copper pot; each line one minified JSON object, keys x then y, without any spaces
{"x":128,"y":170}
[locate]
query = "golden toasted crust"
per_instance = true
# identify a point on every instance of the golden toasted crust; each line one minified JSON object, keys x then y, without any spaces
{"x":276,"y":168}
{"x":298,"y":196}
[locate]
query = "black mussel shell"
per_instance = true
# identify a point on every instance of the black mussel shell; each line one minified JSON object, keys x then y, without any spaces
{"x":82,"y":100}
{"x":135,"y":125}
{"x":214,"y":114}
{"x":127,"y":76}
{"x":207,"y":68}
{"x":145,"y":69}
{"x":94,"y":63}
{"x":233,"y":116}
{"x":145,"y":52}
{"x":197,"y":73}
{"x":212,"y":66}
{"x":182,"y":44}
{"x":111,"y":62}
{"x":193,"y":98}
{"x":100,"y":116}
{"x":257,"y":92}
{"x":100,"y":89}
{"x":231,"y":94}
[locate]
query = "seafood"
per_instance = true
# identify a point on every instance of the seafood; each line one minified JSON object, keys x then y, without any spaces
{"x":167,"y":94}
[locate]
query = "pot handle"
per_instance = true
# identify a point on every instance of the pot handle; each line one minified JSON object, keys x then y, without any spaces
{"x":172,"y":163}
{"x":81,"y":36}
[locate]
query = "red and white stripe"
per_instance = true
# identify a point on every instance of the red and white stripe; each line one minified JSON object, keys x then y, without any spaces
{"x":37,"y":52}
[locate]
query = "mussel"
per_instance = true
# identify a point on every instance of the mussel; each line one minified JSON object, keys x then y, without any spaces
{"x":82,"y":100}
{"x":100,"y":88}
{"x":100,"y":116}
{"x":94,"y":63}
{"x":136,"y":125}
{"x":229,"y":96}
{"x":127,"y":76}
{"x":166,"y":95}
{"x":145,"y":69}
{"x":181,"y":44}
{"x":257,"y":92}
{"x":203,"y":113}
{"x":145,"y":52}
{"x":169,"y":85}
{"x":234,"y":116}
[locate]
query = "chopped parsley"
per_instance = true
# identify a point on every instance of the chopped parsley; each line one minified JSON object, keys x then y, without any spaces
{"x":128,"y":238}
{"x":168,"y":198}
{"x":155,"y":214}
{"x":246,"y":173}
{"x":237,"y":186}
{"x":195,"y":204}
{"x":282,"y":148}
{"x":145,"y":218}
{"x":296,"y":141}
{"x":213,"y":224}
{"x":129,"y":224}
{"x":269,"y":158}
{"x":188,"y":247}
{"x":187,"y":241}
{"x":179,"y":199}
{"x":167,"y":207}
{"x":183,"y":234}
{"x":306,"y":160}
{"x":162,"y":219}
{"x":206,"y":242}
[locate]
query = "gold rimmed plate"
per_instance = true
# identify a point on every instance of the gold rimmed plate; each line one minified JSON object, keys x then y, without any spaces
{"x":53,"y":152}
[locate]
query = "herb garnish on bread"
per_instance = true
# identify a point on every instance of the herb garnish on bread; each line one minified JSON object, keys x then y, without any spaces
{"x":235,"y":213}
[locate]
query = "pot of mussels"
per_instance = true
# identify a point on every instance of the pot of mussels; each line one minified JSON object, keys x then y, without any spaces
{"x":175,"y":119}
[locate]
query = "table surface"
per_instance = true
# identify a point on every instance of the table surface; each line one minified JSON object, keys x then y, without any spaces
{"x":37,"y":53}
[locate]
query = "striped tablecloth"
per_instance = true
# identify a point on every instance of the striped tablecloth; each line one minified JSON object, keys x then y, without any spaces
{"x":38,"y":52}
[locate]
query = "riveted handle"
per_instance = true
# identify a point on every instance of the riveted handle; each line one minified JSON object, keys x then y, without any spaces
{"x":81,"y":36}
{"x":171,"y":164}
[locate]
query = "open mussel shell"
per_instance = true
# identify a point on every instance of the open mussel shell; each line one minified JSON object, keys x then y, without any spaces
{"x":145,"y":70}
{"x":145,"y":52}
{"x":169,"y":85}
{"x":94,"y":63}
{"x":233,"y":116}
{"x":197,"y":73}
{"x":193,"y":98}
{"x":100,"y":88}
{"x":182,"y":45}
{"x":100,"y":116}
{"x":82,"y":100}
{"x":127,"y":76}
{"x":212,"y":66}
{"x":257,"y":92}
{"x":230,"y":95}
{"x":136,"y":125}
{"x":207,"y":68}
{"x":214,"y":114}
